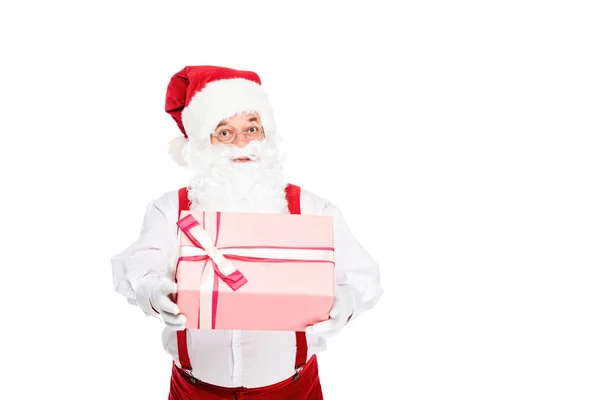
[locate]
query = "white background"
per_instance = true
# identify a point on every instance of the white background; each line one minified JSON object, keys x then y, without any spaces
{"x":460,"y":140}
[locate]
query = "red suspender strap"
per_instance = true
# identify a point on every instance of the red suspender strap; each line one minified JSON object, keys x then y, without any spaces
{"x":292,"y":193}
{"x":182,"y":349}
{"x":184,"y":203}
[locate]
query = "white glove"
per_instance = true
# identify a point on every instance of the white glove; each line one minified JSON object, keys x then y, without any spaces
{"x":340,"y":313}
{"x":168,"y":310}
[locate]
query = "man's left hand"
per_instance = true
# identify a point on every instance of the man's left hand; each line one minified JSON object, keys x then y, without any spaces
{"x":341,"y":311}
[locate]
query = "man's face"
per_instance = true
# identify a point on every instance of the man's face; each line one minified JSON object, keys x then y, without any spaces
{"x":240,"y":170}
{"x":238,"y":130}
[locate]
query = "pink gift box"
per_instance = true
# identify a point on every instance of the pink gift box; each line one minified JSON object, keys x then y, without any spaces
{"x":254,"y":271}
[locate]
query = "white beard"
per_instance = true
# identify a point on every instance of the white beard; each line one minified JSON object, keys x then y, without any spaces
{"x":218,"y":184}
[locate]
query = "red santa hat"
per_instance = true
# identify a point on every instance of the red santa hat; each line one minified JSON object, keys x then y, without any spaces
{"x":199,"y":97}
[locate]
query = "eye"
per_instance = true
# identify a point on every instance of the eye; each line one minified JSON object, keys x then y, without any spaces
{"x":224,"y":133}
{"x":253,"y":129}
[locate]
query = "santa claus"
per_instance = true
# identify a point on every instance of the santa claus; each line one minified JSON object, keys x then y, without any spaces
{"x":230,"y":144}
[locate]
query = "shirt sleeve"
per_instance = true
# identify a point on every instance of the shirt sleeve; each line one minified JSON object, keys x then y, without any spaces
{"x":355,"y":268}
{"x":138,"y":268}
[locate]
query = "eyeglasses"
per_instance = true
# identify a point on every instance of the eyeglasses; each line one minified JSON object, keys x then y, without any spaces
{"x":227,"y":134}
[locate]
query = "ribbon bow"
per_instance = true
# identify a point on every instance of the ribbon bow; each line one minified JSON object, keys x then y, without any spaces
{"x":201,"y":240}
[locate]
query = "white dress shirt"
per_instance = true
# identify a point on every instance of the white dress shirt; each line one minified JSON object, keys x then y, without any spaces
{"x":237,"y":358}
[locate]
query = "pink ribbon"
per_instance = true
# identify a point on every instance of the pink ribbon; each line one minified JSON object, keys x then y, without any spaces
{"x":222,"y":267}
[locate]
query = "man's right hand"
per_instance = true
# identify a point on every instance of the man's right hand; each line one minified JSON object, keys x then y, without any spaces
{"x":162,"y":304}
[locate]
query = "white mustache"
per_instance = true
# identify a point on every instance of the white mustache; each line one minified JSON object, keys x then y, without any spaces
{"x":201,"y":156}
{"x":249,"y":151}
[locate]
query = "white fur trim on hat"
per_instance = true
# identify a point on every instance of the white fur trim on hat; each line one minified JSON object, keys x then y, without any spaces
{"x":222,"y":99}
{"x":176,"y":149}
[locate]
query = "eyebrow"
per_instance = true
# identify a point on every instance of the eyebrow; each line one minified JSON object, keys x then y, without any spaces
{"x":224,"y":122}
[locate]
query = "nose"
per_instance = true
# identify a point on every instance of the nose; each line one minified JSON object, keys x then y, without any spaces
{"x":241,"y":140}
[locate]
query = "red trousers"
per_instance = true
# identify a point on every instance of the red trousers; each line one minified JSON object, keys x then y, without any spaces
{"x":307,"y":386}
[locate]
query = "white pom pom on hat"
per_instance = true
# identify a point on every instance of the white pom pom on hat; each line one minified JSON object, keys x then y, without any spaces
{"x":176,"y":147}
{"x":199,"y":97}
